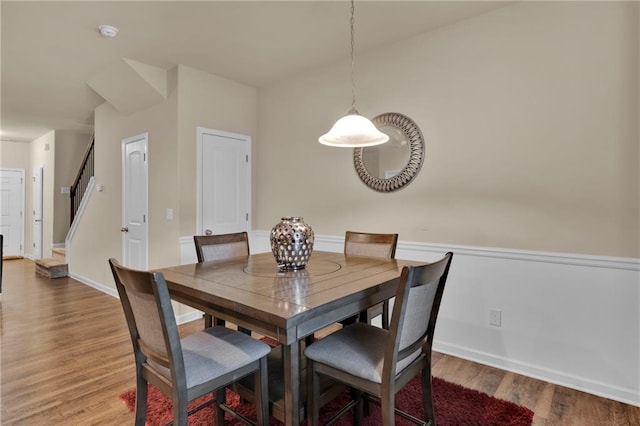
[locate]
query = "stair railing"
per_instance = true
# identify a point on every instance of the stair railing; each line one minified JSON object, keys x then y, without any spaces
{"x":82,"y":179}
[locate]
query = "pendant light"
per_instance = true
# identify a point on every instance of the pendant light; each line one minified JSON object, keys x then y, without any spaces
{"x":353,"y":130}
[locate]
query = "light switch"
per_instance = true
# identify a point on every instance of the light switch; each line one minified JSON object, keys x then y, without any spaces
{"x":65,"y":190}
{"x":169,"y":214}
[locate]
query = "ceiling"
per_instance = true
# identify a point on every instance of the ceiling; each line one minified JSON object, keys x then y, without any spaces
{"x":50,"y":49}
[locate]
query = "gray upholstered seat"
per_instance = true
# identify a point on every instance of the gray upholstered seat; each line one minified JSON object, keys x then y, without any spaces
{"x":188,"y":368}
{"x":380,"y":362}
{"x":359,"y":349}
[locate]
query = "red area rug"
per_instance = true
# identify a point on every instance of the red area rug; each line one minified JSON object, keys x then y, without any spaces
{"x":454,"y":405}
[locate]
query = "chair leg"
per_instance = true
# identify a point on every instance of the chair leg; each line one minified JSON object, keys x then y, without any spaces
{"x":220,"y":322}
{"x":388,"y":408}
{"x":356,"y":395}
{"x":180,"y":410}
{"x":141,"y":402}
{"x":313,"y":395}
{"x":385,"y":314}
{"x":221,"y":398}
{"x":427,"y":395}
{"x":208,"y":321}
{"x":261,"y":386}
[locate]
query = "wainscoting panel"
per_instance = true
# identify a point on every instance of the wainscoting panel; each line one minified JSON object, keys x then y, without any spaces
{"x":568,"y":319}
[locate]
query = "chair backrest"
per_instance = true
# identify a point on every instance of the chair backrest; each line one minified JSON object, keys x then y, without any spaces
{"x":221,"y":247}
{"x":152,"y":325}
{"x":414,"y":313}
{"x":370,"y":245}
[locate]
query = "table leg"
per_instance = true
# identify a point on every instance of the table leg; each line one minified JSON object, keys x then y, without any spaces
{"x":291,"y":358}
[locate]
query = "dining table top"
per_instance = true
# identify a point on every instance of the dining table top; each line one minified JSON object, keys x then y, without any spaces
{"x":254,"y":290}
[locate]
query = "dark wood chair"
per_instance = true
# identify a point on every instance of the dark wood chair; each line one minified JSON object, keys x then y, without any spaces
{"x":371,"y":245}
{"x":378,"y":362}
{"x":221,"y":247}
{"x":185,"y":369}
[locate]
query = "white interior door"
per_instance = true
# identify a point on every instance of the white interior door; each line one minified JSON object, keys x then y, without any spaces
{"x":134,"y":202}
{"x":37,"y":211}
{"x":224,"y":182}
{"x":11,"y":211}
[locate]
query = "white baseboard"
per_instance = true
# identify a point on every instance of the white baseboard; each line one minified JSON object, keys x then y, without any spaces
{"x":581,"y":383}
{"x":98,"y":286}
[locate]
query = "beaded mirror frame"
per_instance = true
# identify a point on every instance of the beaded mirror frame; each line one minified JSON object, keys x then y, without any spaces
{"x":413,"y":135}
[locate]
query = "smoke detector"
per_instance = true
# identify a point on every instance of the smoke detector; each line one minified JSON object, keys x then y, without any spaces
{"x":108,"y":30}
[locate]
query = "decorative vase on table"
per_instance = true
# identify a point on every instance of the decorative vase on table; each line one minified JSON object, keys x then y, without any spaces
{"x":292,"y":243}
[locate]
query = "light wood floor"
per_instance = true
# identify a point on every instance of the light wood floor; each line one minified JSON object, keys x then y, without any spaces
{"x":66,"y":357}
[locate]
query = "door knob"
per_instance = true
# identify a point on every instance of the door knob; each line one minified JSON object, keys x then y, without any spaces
{"x":124,"y":229}
{"x":208,"y":232}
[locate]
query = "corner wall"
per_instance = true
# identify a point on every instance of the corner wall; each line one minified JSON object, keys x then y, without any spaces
{"x":98,"y":235}
{"x":195,"y":99}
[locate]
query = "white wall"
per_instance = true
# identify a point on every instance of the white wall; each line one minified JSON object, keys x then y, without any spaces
{"x":530,"y":116}
{"x":531,"y":120}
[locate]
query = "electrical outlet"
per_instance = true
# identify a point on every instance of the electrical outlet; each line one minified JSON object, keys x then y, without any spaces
{"x":495,"y":317}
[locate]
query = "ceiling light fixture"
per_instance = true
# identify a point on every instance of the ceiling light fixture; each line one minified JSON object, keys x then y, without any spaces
{"x":353,"y":130}
{"x":108,"y":30}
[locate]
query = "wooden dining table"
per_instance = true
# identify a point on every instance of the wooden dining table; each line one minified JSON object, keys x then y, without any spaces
{"x":286,"y":305}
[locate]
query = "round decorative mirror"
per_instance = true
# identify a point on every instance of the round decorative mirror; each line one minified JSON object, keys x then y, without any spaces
{"x":392,"y":165}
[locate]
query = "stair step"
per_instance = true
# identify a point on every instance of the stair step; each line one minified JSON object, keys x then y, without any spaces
{"x":51,"y":267}
{"x":59,"y":253}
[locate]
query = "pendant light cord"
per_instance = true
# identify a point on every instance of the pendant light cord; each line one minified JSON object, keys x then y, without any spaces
{"x":353,"y":81}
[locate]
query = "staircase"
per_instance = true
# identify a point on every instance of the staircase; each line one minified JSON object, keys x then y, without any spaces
{"x":53,"y":267}
{"x":81,"y":181}
{"x":56,"y":266}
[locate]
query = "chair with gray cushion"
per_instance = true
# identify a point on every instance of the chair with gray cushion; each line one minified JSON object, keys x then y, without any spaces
{"x":372,"y":245}
{"x":221,"y":247}
{"x":185,"y":369}
{"x":378,"y":362}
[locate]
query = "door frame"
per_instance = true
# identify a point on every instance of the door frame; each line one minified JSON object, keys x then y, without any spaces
{"x":22,"y":204}
{"x":144,"y":137}
{"x":200,"y":132}
{"x":35,"y":189}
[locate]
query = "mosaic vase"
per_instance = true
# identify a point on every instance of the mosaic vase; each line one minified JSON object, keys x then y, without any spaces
{"x":292,"y":243}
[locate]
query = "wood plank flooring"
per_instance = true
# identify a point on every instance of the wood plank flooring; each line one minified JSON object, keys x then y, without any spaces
{"x":66,"y":357}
